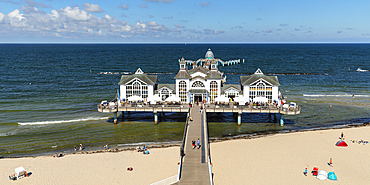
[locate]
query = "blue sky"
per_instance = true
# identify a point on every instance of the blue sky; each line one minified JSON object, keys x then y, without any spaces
{"x":185,"y":21}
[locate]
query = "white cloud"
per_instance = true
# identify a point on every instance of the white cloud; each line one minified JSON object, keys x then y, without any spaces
{"x":76,"y":13}
{"x":123,"y":7}
{"x":56,"y":34}
{"x":204,"y":4}
{"x":179,"y":26}
{"x":1,"y":17}
{"x":15,"y":14}
{"x":92,"y":7}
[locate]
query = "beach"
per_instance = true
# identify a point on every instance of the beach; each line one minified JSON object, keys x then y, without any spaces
{"x":274,"y":159}
{"x":282,"y":158}
{"x":97,"y":168}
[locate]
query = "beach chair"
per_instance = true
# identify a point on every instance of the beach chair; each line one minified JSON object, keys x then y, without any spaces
{"x":315,"y":170}
{"x":20,"y":172}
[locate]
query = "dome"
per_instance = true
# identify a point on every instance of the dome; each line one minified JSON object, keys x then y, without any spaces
{"x":209,"y":54}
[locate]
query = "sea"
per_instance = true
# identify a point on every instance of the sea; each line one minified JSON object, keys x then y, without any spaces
{"x":49,"y":92}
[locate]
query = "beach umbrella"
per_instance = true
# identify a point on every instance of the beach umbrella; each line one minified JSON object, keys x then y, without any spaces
{"x":135,"y":98}
{"x":222,"y":98}
{"x":173,"y":98}
{"x":241,"y":99}
{"x":260,"y":99}
{"x":332,"y":176}
{"x":323,"y":175}
{"x":154,"y":99}
{"x":341,"y":143}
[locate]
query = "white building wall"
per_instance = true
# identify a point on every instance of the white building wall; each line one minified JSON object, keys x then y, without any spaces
{"x":246,"y":91}
{"x":150,"y":90}
{"x":122,"y":91}
{"x":275,"y":92}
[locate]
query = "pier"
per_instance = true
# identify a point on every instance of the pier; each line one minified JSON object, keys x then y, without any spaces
{"x":196,"y":166}
{"x":228,"y":108}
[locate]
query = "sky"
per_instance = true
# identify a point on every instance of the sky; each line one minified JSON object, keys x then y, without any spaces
{"x":184,"y":21}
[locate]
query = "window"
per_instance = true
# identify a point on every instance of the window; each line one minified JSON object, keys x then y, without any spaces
{"x":261,"y":89}
{"x":137,"y":88}
{"x":183,"y":91}
{"x":213,"y":90}
{"x":198,"y":84}
{"x":164,"y":93}
{"x":231,"y":93}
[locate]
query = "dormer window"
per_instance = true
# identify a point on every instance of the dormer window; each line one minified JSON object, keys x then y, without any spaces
{"x":213,"y":66}
{"x":182,"y":66}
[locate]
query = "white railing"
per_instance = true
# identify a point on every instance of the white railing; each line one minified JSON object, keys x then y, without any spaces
{"x":168,"y":181}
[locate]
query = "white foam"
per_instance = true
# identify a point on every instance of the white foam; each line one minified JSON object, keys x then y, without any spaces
{"x":361,"y":70}
{"x":63,"y":121}
{"x":334,"y":95}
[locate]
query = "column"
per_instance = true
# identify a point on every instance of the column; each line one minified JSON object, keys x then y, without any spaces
{"x":281,"y":120}
{"x":155,"y":117}
{"x":239,"y":118}
{"x":115,"y":118}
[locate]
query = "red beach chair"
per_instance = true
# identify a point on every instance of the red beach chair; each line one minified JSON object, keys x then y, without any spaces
{"x":315,"y":171}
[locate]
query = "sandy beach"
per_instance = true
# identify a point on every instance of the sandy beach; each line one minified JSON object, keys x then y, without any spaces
{"x":275,"y":159}
{"x":282,"y":158}
{"x":98,"y":168}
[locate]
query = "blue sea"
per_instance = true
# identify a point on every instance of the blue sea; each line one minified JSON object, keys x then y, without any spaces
{"x":49,"y":92}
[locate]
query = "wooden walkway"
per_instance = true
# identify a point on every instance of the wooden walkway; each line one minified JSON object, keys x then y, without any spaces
{"x":195,"y":168}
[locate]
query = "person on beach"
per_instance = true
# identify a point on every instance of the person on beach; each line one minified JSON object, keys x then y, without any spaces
{"x":198,"y":143}
{"x":330,"y":162}
{"x":342,"y":136}
{"x":81,"y":147}
{"x":75,"y":148}
{"x":305,"y":172}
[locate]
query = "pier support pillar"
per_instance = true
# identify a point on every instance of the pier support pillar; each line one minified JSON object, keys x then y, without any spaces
{"x":281,"y":120}
{"x":115,"y":118}
{"x":122,"y":114}
{"x":239,"y":118}
{"x":155,"y":117}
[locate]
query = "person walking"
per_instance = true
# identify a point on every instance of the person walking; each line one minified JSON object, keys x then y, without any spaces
{"x":198,"y":143}
{"x":305,"y":172}
{"x":193,"y":143}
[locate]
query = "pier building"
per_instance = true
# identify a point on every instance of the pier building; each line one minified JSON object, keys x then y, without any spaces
{"x":200,"y":81}
{"x":203,"y":82}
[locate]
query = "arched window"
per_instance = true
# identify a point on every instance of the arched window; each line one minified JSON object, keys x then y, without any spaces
{"x":213,"y":90}
{"x":164,"y":93}
{"x":137,"y":88}
{"x":183,"y":91}
{"x":261,"y":89}
{"x":198,"y":84}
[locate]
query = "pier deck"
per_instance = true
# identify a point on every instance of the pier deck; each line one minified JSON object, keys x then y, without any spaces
{"x":195,"y":168}
{"x":210,"y":108}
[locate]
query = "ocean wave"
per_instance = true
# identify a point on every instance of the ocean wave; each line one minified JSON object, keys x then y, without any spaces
{"x":335,"y":95}
{"x":361,"y":70}
{"x":63,"y":121}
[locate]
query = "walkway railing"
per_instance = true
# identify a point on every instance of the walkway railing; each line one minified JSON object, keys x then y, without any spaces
{"x":208,"y":146}
{"x":182,"y":147}
{"x":168,"y":181}
{"x":253,"y":109}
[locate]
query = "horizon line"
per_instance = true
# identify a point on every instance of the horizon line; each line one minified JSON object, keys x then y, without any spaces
{"x":184,"y":42}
